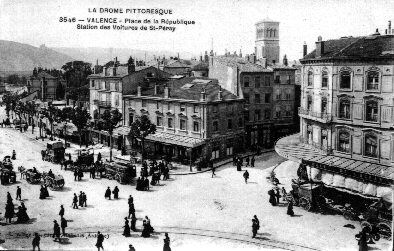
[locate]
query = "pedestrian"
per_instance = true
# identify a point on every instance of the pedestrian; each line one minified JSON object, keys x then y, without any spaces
{"x":131,"y":210}
{"x":131,"y":248}
{"x":100,"y":240}
{"x":18,"y":193}
{"x":84,"y":198}
{"x":213,"y":171}
{"x":13,"y":155}
{"x":9,"y":212}
{"x":246,"y":176}
{"x":290,"y":209}
{"x":277,"y":195}
{"x":75,"y":174}
{"x":254,"y":228}
{"x":91,"y":171}
{"x":75,"y":201}
{"x":239,"y":166}
{"x":80,"y":174}
{"x":108,"y":193}
{"x":80,"y":198}
{"x":42,"y":192}
{"x":116,"y":192}
{"x":252,"y":161}
{"x":126,"y":231}
{"x":63,"y":225}
{"x":150,"y":228}
{"x":61,"y":212}
{"x":272,"y":199}
{"x":257,"y":221}
{"x":247,"y":161}
{"x":145,"y":231}
{"x":61,"y":164}
{"x":56,"y":231}
{"x":36,"y":242}
{"x":284,"y":193}
{"x":166,"y":240}
{"x":234,"y":160}
{"x":362,"y":240}
{"x":132,"y":223}
{"x":130,"y":200}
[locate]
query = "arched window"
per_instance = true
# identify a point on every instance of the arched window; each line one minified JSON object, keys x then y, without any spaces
{"x":345,"y":78}
{"x":324,"y":105}
{"x":344,"y":108}
{"x":310,"y":78}
{"x":371,"y":145}
{"x":373,"y":81}
{"x":309,"y":103}
{"x":344,"y":141}
{"x":371,"y":110}
{"x":324,"y":79}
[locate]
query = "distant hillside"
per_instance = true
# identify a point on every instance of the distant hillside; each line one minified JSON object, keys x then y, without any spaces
{"x":23,"y":57}
{"x":104,"y":55}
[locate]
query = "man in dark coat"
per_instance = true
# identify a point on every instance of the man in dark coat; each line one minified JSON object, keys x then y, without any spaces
{"x":75,"y":174}
{"x":130,"y":200}
{"x":84,"y":199}
{"x":116,"y":192}
{"x":42,"y":193}
{"x":131,"y":210}
{"x":107,"y":193}
{"x":80,"y":174}
{"x":80,"y":198}
{"x":277,"y":195}
{"x":63,"y":225}
{"x":56,"y":231}
{"x":75,"y":201}
{"x":254,"y":228}
{"x":100,"y":240}
{"x":290,"y":209}
{"x":246,"y":176}
{"x":18,"y":193}
{"x":252,"y":161}
{"x":362,"y":240}
{"x":36,"y":242}
{"x":166,"y":240}
{"x":213,"y":171}
{"x":61,"y":212}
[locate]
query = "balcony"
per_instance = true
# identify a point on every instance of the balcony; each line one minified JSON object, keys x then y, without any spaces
{"x":105,"y":104}
{"x":308,"y":114}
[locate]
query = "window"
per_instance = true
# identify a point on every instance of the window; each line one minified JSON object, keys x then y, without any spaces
{"x":324,"y":79}
{"x":373,"y":81}
{"x":324,"y":105}
{"x":92,"y":83}
{"x":229,"y":124}
{"x":267,"y":81}
{"x":309,"y":103}
{"x":277,"y":112}
{"x":117,"y":86}
{"x":345,"y":80}
{"x":257,"y":98}
{"x":267,"y":114}
{"x":257,"y":115}
{"x":288,"y":94}
{"x":240,"y":122}
{"x":246,"y":81}
{"x":195,"y":108}
{"x":182,"y":107}
{"x":310,"y":78}
{"x":371,"y":146}
{"x":143,"y":104}
{"x":170,"y":123}
{"x":246,"y":116}
{"x":157,"y":104}
{"x":344,"y":142}
{"x":278,"y":95}
{"x":215,"y":125}
{"x":107,"y":85}
{"x":169,"y":106}
{"x":277,"y":79}
{"x":159,"y":121}
{"x":215,"y":108}
{"x":288,"y":79}
{"x":257,"y":82}
{"x":182,"y":124}
{"x":344,"y":109}
{"x":196,"y":126}
{"x":229,"y":151}
{"x":371,"y":113}
{"x":131,"y":119}
{"x":288,"y":111}
{"x":267,"y":98}
{"x":246,"y":97}
{"x":215,"y":153}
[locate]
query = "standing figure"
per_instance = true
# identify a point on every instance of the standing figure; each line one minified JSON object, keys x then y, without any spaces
{"x":126,"y":231}
{"x":132,"y":223}
{"x":145,"y":231}
{"x":75,"y":201}
{"x":257,"y":221}
{"x":131,"y":248}
{"x":36,"y":242}
{"x":213,"y":171}
{"x":131,"y":210}
{"x":247,"y":161}
{"x":80,"y":198}
{"x":61,"y":212}
{"x":130,"y":200}
{"x":9,"y":212}
{"x":75,"y":174}
{"x":252,"y":161}
{"x":63,"y":225}
{"x":284,"y":193}
{"x":246,"y":176}
{"x":150,"y":228}
{"x":42,"y":193}
{"x":277,"y":195}
{"x":56,"y":231}
{"x":100,"y":240}
{"x":362,"y":240}
{"x":166,"y":240}
{"x":13,"y":155}
{"x":116,"y":192}
{"x":254,"y":228}
{"x":84,"y":198}
{"x":107,"y":193}
{"x":272,"y":199}
{"x":290,"y":209}
{"x":18,"y":193}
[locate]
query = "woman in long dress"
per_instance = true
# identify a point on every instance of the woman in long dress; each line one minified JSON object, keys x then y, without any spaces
{"x":145,"y":231}
{"x":126,"y":231}
{"x":166,"y":240}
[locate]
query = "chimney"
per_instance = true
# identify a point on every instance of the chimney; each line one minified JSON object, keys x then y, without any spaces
{"x":220,"y":93}
{"x":155,"y":90}
{"x":305,"y":50}
{"x":202,"y":95}
{"x":139,"y":91}
{"x":166,"y":92}
{"x":200,"y":57}
{"x":385,"y":31}
{"x":319,"y":47}
{"x":285,"y":62}
{"x":389,"y":28}
{"x":240,"y":53}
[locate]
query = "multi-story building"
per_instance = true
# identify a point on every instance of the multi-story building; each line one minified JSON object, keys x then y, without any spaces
{"x":107,"y":90}
{"x":195,"y":118}
{"x":347,"y":114}
{"x":46,"y":85}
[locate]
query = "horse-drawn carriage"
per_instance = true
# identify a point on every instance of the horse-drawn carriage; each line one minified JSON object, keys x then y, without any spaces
{"x":32,"y":176}
{"x":55,"y":182}
{"x":119,"y":170}
{"x":7,"y":175}
{"x":305,"y":195}
{"x":85,"y":159}
{"x":54,"y":152}
{"x":6,"y":163}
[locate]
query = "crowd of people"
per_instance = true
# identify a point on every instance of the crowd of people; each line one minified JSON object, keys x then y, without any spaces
{"x":21,"y":214}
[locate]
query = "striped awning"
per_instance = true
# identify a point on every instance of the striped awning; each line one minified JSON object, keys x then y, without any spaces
{"x":174,"y":139}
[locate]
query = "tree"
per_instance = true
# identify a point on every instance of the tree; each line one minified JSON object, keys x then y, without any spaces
{"x":20,"y":109}
{"x":60,"y":91}
{"x":13,"y":79}
{"x":76,"y":73}
{"x":51,"y":113}
{"x":31,"y":110}
{"x":110,"y":119}
{"x":140,"y":129}
{"x":80,"y":118}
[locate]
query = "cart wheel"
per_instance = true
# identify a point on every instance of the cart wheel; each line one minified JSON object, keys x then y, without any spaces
{"x":305,"y":204}
{"x":376,"y":237}
{"x":367,"y":225}
{"x":385,"y":230}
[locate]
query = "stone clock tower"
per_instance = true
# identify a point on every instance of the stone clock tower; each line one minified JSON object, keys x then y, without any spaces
{"x":267,"y":41}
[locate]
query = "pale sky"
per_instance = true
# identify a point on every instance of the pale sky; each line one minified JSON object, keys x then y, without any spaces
{"x":229,"y":22}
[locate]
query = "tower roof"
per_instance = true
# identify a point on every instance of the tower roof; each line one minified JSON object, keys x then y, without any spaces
{"x":266,"y":20}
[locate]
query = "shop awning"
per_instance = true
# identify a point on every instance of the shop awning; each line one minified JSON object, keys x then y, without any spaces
{"x":173,"y":139}
{"x":123,"y":130}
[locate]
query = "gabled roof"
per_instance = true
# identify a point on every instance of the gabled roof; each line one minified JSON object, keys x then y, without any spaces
{"x":242,"y":64}
{"x":375,"y":46}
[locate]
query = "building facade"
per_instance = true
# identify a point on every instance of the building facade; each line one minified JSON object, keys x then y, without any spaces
{"x":195,"y":119}
{"x":46,"y":85}
{"x":267,"y":41}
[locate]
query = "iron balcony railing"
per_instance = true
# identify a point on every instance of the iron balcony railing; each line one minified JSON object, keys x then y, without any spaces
{"x":321,"y":116}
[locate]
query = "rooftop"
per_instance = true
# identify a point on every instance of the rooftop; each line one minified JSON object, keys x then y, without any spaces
{"x":242,"y":64}
{"x":121,"y":72}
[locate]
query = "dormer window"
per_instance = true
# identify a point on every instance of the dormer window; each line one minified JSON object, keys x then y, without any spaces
{"x":373,"y":81}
